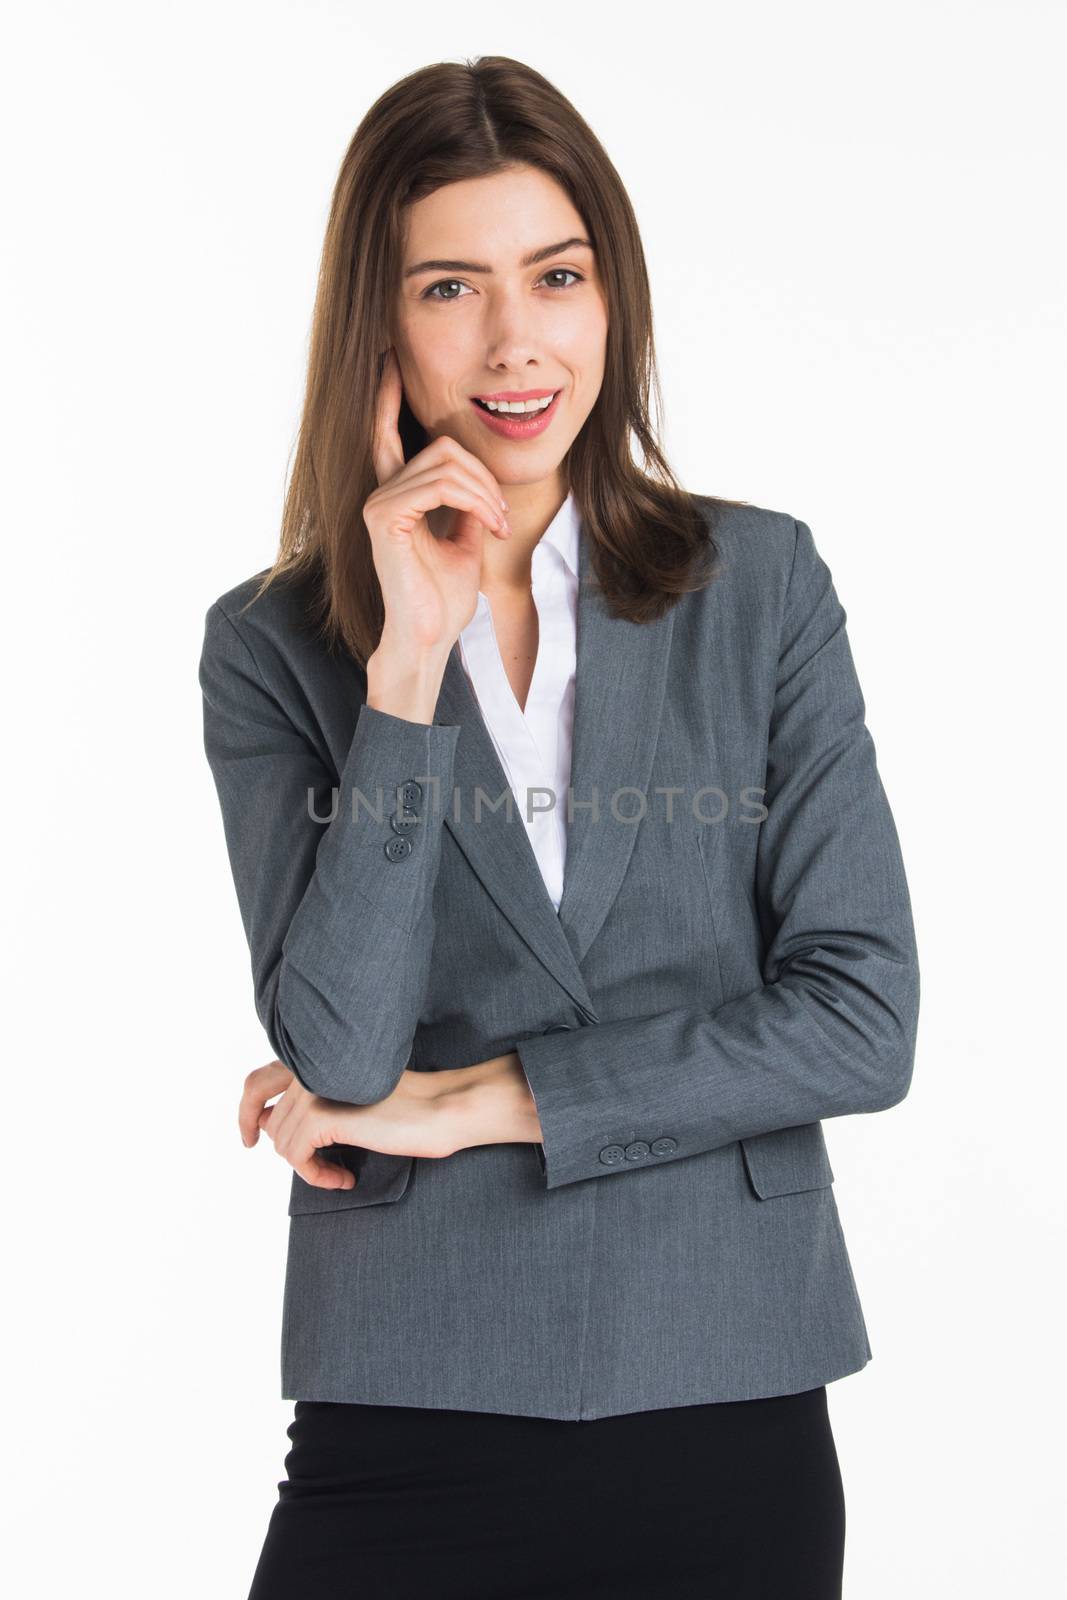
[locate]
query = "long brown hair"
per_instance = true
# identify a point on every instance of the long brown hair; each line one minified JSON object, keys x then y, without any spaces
{"x":650,"y":540}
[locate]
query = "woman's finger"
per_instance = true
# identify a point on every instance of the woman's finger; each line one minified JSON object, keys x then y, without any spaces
{"x":388,"y":450}
{"x":306,"y":1137}
{"x":286,"y":1116}
{"x":452,"y":472}
{"x":302,"y":1125}
{"x":446,"y":449}
{"x":261,"y":1085}
{"x":324,"y":1174}
{"x":392,"y":506}
{"x":440,"y":489}
{"x":314,"y":1169}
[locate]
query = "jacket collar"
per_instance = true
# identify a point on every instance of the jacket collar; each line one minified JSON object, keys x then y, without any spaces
{"x":620,"y":681}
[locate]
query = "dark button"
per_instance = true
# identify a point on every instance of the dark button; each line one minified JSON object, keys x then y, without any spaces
{"x":637,"y":1151}
{"x":410,"y":793}
{"x":404,"y":821}
{"x":397,"y":848}
{"x":612,"y":1154}
{"x":559,"y":1027}
{"x":663,"y":1147}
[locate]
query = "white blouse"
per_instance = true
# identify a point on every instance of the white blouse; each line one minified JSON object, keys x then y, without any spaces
{"x":534,"y":746}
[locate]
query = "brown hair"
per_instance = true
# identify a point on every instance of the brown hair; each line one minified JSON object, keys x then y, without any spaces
{"x":650,"y":541}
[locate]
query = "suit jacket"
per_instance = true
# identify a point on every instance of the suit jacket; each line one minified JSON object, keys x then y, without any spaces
{"x":733,"y":961}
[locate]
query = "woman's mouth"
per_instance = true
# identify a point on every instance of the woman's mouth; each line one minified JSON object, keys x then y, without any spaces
{"x":518,"y":424}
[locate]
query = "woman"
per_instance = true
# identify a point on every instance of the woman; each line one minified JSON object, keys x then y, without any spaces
{"x":566,"y":1280}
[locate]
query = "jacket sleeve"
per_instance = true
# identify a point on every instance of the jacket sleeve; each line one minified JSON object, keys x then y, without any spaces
{"x":338,"y":912}
{"x":832,"y":1029}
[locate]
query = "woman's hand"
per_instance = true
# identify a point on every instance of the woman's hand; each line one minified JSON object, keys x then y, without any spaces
{"x":417,"y":1119}
{"x":431,"y":1114}
{"x":429,"y":577}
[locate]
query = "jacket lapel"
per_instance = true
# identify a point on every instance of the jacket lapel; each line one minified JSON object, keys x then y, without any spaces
{"x":620,"y":683}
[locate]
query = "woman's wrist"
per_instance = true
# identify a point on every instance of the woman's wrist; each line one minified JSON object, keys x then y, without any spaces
{"x":405,"y":684}
{"x":488,"y":1103}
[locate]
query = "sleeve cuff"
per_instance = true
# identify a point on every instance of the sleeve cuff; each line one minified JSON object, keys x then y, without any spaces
{"x":569,"y":1151}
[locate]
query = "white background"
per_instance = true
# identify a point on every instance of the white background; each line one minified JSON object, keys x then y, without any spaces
{"x":853,"y":221}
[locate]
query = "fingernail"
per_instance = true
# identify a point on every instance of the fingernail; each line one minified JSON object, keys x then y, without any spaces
{"x":505,"y":505}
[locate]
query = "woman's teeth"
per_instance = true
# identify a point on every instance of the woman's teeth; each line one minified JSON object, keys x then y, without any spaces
{"x":516,"y":406}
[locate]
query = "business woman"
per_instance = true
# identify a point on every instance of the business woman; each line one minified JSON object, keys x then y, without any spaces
{"x":575,"y":905}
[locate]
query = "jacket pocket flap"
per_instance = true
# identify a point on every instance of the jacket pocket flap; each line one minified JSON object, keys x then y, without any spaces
{"x":379,"y":1178}
{"x":788,"y":1160}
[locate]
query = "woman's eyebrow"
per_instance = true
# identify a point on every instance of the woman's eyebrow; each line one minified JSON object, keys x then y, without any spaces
{"x":530,"y":260}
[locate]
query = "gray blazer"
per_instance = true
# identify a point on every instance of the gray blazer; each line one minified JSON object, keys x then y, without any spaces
{"x":733,"y":960}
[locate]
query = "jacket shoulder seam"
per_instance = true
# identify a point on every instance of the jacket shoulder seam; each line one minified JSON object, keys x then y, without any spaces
{"x":218,"y":606}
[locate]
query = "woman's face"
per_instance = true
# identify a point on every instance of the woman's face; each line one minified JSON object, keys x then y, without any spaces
{"x":478,"y":320}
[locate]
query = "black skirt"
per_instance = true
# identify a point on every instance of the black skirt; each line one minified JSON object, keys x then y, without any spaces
{"x":741,"y":1500}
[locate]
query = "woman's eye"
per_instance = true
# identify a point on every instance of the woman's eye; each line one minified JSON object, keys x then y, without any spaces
{"x":453,"y":283}
{"x":445,"y":283}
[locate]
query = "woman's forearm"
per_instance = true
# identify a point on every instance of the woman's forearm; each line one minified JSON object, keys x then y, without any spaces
{"x":489,"y":1103}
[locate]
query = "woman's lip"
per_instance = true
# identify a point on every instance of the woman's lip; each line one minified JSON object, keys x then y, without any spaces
{"x":510,"y":425}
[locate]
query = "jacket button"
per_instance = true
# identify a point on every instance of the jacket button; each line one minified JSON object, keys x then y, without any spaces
{"x":404,"y":821}
{"x":397,"y":848}
{"x":559,"y":1027}
{"x":612,"y":1154}
{"x":663,"y":1147}
{"x":410,"y":793}
{"x":637,"y":1151}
